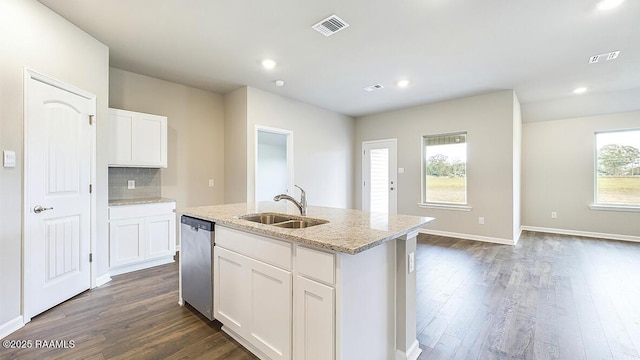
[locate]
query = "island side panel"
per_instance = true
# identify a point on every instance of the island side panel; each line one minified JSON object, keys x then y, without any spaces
{"x":365,"y":304}
{"x":407,"y":344}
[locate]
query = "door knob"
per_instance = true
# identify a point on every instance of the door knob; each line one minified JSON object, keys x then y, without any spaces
{"x":39,"y":208}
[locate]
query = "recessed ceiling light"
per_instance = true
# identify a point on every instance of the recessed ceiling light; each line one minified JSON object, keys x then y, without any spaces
{"x":268,"y":64}
{"x":580,"y":90}
{"x":279,"y":83}
{"x":609,"y":4}
{"x":403,"y":83}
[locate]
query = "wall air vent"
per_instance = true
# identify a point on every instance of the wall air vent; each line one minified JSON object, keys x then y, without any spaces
{"x":330,"y":25}
{"x":373,"y":87}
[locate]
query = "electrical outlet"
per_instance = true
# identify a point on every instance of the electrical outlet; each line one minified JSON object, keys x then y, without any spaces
{"x":211,"y":182}
{"x":412,"y":262}
{"x":131,"y":184}
{"x":554,"y":215}
{"x":481,"y":220}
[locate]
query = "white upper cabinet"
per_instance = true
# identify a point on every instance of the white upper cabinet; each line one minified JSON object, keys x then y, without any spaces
{"x":137,"y":139}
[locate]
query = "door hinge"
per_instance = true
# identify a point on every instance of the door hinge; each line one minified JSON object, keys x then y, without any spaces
{"x":90,"y":257}
{"x":91,"y":119}
{"x":90,"y":188}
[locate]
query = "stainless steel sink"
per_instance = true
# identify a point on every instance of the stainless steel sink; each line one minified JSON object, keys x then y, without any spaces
{"x":266,"y":218}
{"x":300,"y":224}
{"x":283,"y":220}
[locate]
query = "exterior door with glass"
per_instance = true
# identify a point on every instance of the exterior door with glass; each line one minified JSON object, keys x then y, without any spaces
{"x":379,"y":176}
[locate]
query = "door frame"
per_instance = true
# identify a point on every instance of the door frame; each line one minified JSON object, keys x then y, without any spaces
{"x":26,"y":261}
{"x":393,"y":162}
{"x":289,"y":135}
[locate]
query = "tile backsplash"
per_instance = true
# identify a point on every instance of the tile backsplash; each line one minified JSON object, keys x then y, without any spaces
{"x":147,"y":182}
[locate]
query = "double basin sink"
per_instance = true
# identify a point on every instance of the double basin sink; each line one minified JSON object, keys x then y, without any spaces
{"x":283,"y":220}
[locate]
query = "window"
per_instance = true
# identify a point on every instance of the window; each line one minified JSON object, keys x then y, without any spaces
{"x":445,"y":169}
{"x":618,"y":168}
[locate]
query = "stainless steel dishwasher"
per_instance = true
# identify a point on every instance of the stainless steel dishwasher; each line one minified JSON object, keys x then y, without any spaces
{"x":196,"y":254}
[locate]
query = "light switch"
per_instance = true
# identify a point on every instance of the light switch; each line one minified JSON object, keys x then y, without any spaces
{"x":131,"y":184}
{"x":9,"y":158}
{"x":400,"y":170}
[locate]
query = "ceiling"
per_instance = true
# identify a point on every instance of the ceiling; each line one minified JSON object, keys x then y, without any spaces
{"x":445,"y":48}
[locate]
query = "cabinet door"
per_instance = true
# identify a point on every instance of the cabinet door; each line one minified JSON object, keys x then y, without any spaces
{"x":314,"y":325}
{"x":120,"y":123}
{"x":270,"y":301}
{"x":149,"y":140}
{"x":161,"y":236}
{"x":126,"y":239}
{"x":230,"y":290}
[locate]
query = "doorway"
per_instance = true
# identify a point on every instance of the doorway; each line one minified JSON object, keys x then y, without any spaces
{"x":59,"y":204}
{"x":274,"y":163}
{"x":379,"y":179}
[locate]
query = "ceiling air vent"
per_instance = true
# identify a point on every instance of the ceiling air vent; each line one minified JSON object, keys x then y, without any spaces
{"x":373,"y":87}
{"x":604,"y":57}
{"x":330,"y":25}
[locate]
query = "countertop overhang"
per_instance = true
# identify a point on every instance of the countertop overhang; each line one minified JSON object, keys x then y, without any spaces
{"x":348,"y":231}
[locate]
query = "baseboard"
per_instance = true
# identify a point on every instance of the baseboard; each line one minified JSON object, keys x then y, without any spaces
{"x":412,"y":353}
{"x":469,"y":237}
{"x":583,"y":233}
{"x":139,"y":266}
{"x":101,"y":280}
{"x":11,"y":326}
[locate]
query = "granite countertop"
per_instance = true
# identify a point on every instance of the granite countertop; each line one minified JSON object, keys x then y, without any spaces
{"x":348,"y":231}
{"x":152,"y":200}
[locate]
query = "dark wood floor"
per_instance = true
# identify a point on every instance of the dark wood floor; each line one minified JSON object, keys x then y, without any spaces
{"x":549,"y":297}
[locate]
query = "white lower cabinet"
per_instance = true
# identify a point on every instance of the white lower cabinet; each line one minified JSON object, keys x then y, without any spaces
{"x":253,"y":299}
{"x":141,"y":236}
{"x":281,"y":310}
{"x":314,"y":314}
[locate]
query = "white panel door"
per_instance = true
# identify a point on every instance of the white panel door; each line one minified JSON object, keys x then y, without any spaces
{"x":271,"y":298}
{"x":126,"y":241}
{"x":379,"y":180}
{"x":57,"y":221}
{"x":120,"y":124}
{"x":230,"y":290}
{"x":161,"y":236}
{"x":148,"y":136}
{"x":314,"y":327}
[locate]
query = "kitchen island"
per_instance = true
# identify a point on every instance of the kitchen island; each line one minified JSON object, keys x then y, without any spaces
{"x":341,"y":288}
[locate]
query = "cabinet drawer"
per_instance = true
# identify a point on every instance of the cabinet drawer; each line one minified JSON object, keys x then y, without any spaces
{"x":270,"y":251}
{"x":315,"y":264}
{"x":141,"y":210}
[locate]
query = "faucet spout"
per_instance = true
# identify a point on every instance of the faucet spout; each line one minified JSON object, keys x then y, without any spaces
{"x":302,"y":205}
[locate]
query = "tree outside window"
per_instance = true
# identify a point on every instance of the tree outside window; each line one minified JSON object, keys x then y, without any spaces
{"x":445,"y":169}
{"x":618,"y":168}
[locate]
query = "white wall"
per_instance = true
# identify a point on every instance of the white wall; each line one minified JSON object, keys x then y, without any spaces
{"x":33,"y":36}
{"x":517,"y":167}
{"x":558,"y":175}
{"x":323,"y":146}
{"x":235,"y":146}
{"x":492,"y":134}
{"x":195,"y":133}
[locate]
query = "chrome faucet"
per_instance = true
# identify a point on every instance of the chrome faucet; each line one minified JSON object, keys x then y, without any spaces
{"x":302,"y":205}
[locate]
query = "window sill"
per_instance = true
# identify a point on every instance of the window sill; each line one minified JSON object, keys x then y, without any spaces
{"x":444,"y":206}
{"x":629,"y":208}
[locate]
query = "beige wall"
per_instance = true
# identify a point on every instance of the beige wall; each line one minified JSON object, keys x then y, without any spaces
{"x":235,"y":146}
{"x":323,"y":146}
{"x":491,"y":161}
{"x":195,"y":134}
{"x":558,"y":175}
{"x":33,"y":36}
